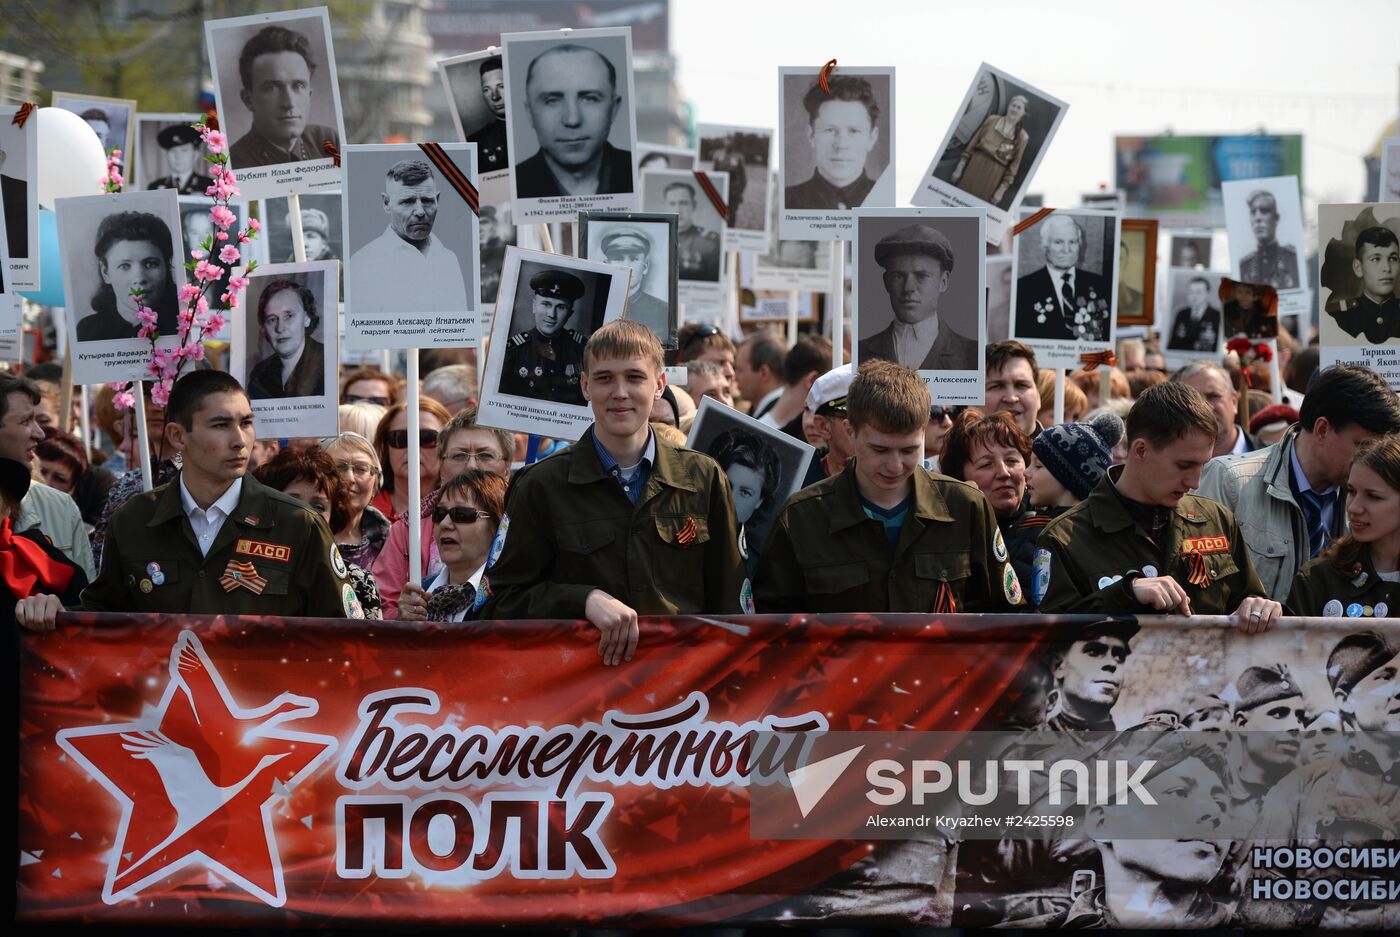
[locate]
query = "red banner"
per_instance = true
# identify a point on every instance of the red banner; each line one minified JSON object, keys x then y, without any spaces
{"x":283,"y":771}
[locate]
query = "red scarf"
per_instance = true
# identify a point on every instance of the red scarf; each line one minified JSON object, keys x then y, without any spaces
{"x":23,"y":564}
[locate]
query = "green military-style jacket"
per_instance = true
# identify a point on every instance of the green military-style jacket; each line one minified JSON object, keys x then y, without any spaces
{"x":824,"y":554}
{"x":1323,"y":591}
{"x":569,"y":529}
{"x":1087,"y":558}
{"x":272,"y":556}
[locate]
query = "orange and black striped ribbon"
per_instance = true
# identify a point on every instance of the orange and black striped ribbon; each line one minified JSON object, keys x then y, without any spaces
{"x":824,"y":76}
{"x":242,"y":575}
{"x":22,"y":114}
{"x":715,"y":198}
{"x":1200,"y":575}
{"x":454,"y":175}
{"x":1031,"y":221}
{"x":330,"y":149}
{"x":943,"y":601}
{"x":1092,"y":359}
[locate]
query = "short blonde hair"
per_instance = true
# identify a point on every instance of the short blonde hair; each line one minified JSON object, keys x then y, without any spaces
{"x":362,"y":417}
{"x":351,"y":441}
{"x":624,"y":338}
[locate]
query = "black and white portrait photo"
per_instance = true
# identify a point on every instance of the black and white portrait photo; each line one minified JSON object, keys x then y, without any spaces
{"x":286,"y":349}
{"x":699,"y":200}
{"x":999,"y":277}
{"x":278,"y":100}
{"x":656,"y":156}
{"x":1067,"y":284}
{"x":837,"y":148}
{"x":549,"y":305}
{"x":321,"y":220}
{"x":572,"y":122}
{"x":19,"y":193}
{"x":645,"y":244}
{"x":1389,"y":187}
{"x":411,"y":236}
{"x":170,"y":155}
{"x":993,"y":147}
{"x":1189,"y":249}
{"x":476,"y":93}
{"x":197,"y":231}
{"x":112,"y":119}
{"x":496,"y":232}
{"x":1360,"y":264}
{"x":743,"y":152}
{"x":765,"y":467}
{"x":114,"y":247}
{"x":1195,"y":328}
{"x":1264,"y":222}
{"x":918,"y":295}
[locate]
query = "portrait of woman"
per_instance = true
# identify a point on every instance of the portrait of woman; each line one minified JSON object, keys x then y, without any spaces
{"x":134,"y":252}
{"x":754,"y":472}
{"x":992,"y":157}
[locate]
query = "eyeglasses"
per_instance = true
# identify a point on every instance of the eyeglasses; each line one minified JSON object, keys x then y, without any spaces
{"x":356,"y":469}
{"x":480,"y":457}
{"x":937,"y":412}
{"x":356,"y":398}
{"x":398,"y":438}
{"x":459,"y":515}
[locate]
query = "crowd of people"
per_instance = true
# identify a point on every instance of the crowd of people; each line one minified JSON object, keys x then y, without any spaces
{"x":1158,"y":499}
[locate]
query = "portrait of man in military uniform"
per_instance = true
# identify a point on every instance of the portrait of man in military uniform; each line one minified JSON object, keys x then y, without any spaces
{"x":321,"y":219}
{"x":180,"y":160}
{"x":277,"y":99}
{"x":1088,"y":677}
{"x":1196,"y":325}
{"x":917,"y":265}
{"x":496,"y":233}
{"x":1270,"y":262}
{"x":545,"y":361}
{"x":698,"y":224}
{"x":476,"y":88}
{"x":1375,"y":312}
{"x":643,"y":243}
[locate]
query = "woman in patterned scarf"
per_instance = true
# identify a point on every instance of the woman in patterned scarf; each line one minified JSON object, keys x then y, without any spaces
{"x":465,"y":519}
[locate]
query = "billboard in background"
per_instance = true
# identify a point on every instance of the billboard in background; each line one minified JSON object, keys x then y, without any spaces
{"x":468,"y":25}
{"x":1178,"y":178}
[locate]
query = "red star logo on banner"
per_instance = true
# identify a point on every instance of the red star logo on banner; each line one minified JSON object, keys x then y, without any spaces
{"x":198,"y":779}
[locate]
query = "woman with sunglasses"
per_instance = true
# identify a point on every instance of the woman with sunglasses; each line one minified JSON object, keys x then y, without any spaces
{"x":308,"y":473}
{"x":461,"y":445}
{"x":465,"y":519}
{"x":391,"y":442}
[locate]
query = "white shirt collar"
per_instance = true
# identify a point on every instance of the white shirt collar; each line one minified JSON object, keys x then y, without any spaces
{"x":225,"y":503}
{"x":1241,"y":442}
{"x":772,"y":396}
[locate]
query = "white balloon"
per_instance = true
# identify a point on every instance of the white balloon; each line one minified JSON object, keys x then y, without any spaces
{"x":71,"y":159}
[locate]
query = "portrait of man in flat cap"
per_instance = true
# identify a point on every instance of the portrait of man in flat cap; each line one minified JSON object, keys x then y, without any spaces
{"x":644,"y":243}
{"x":917,"y":263}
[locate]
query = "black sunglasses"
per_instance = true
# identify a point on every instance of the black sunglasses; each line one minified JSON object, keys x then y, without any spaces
{"x":458,"y":515}
{"x":356,"y":398}
{"x":398,"y":438}
{"x":702,"y":333}
{"x":937,"y":412}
